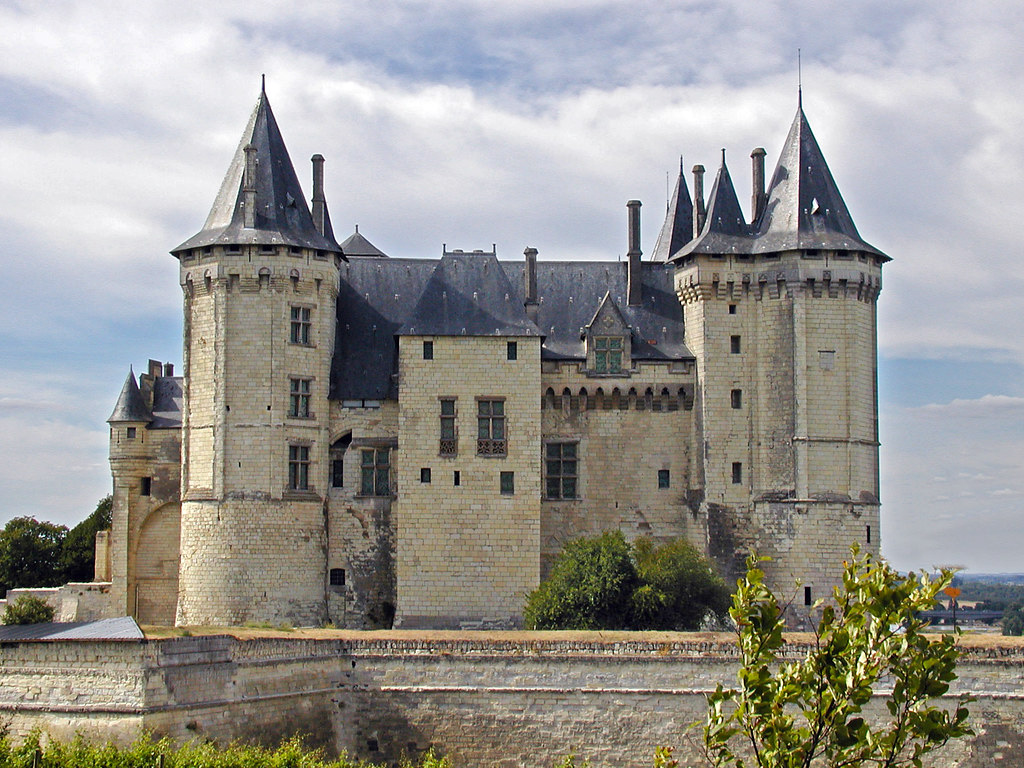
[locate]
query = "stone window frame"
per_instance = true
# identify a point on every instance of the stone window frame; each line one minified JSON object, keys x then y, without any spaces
{"x":664,"y":479}
{"x":606,"y":348}
{"x":448,"y":435}
{"x":375,"y":479}
{"x":511,"y":350}
{"x":735,"y":344}
{"x":300,"y":326}
{"x":300,"y":395}
{"x":561,"y":477}
{"x":491,"y":427}
{"x":507,"y":483}
{"x":299,"y":462}
{"x":428,"y":349}
{"x":737,"y":473}
{"x":736,"y":399}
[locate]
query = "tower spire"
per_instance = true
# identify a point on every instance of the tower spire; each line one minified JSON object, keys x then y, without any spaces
{"x":799,"y":81}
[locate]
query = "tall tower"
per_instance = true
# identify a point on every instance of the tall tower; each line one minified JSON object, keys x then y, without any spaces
{"x":260,"y":283}
{"x":780,"y":315}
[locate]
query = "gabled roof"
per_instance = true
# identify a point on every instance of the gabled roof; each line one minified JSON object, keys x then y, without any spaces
{"x":357,"y":245}
{"x":608,"y":308}
{"x":131,"y":405}
{"x":468,"y":294}
{"x":804,"y":208}
{"x":725,"y":229}
{"x":281,"y":214}
{"x":677,"y":230}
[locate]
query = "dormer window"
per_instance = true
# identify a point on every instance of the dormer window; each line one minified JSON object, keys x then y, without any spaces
{"x":608,"y":354}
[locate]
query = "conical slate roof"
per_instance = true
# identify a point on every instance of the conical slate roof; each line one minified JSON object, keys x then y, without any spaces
{"x":468,"y":295}
{"x":131,"y":405}
{"x":804,"y":208}
{"x":281,"y":214}
{"x":725,"y":228}
{"x":677,"y":230}
{"x":357,"y":245}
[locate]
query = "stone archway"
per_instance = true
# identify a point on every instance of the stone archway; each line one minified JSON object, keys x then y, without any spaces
{"x":156,"y":566}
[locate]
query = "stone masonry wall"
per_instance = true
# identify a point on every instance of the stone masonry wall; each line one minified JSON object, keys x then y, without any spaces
{"x":503,"y":699}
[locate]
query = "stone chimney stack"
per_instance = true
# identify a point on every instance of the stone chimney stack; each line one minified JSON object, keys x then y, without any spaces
{"x":530,"y":287}
{"x":757,"y":198}
{"x":319,"y":201}
{"x":698,"y":199}
{"x":634,"y":291}
{"x":249,"y":188}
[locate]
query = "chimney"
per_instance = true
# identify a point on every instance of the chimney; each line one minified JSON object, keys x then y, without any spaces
{"x":698,"y":199}
{"x":155,"y":368}
{"x":319,"y":201}
{"x":249,"y":188}
{"x":633,"y":289}
{"x":757,"y":198}
{"x":530,"y":287}
{"x":168,"y":369}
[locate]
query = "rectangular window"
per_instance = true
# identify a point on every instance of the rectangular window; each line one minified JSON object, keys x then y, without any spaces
{"x":807,"y":595}
{"x":298,"y":467}
{"x":561,"y":470}
{"x":337,"y":576}
{"x":375,"y":472}
{"x":508,"y":483}
{"x":298,"y":398}
{"x":490,"y":428}
{"x":424,"y":474}
{"x":608,"y":354}
{"x":732,"y":309}
{"x":734,"y":344}
{"x":337,"y":473}
{"x":736,"y":398}
{"x":737,"y":472}
{"x":664,"y":478}
{"x":512,"y":350}
{"x":131,"y":433}
{"x":827,"y":359}
{"x":449,"y":445}
{"x":456,"y":478}
{"x":428,"y":350}
{"x":300,"y":325}
{"x":147,"y":484}
{"x":869,"y":534}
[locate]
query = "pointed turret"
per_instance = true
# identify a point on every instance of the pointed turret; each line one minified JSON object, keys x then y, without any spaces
{"x":131,"y":405}
{"x":260,"y":200}
{"x":804,"y":209}
{"x":725,"y":228}
{"x":357,"y":245}
{"x":677,"y":230}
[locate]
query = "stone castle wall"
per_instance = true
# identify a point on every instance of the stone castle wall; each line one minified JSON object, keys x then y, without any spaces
{"x":507,"y":699}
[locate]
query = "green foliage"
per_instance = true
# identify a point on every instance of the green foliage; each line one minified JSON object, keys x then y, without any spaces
{"x":30,"y":553}
{"x":28,"y":610}
{"x":605,"y":583}
{"x":1013,"y":620}
{"x":78,"y":554}
{"x":808,"y":712}
{"x":145,"y":753}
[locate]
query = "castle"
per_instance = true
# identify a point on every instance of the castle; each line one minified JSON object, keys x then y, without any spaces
{"x":377,"y":441}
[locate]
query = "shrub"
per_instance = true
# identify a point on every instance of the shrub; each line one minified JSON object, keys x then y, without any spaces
{"x":28,"y":610}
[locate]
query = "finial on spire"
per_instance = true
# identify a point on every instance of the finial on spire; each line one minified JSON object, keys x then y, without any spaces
{"x":723,"y":157}
{"x":799,"y":81}
{"x":263,"y":85}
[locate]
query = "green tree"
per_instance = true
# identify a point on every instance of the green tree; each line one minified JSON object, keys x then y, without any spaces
{"x":808,"y":712}
{"x":30,"y":553}
{"x":680,"y":588}
{"x":605,"y":583}
{"x":590,"y":586}
{"x":78,"y":552}
{"x":1013,"y":620}
{"x":28,"y":609}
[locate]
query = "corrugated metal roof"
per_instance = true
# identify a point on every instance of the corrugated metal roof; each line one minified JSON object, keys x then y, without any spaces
{"x":121,"y":628}
{"x":281,"y":216}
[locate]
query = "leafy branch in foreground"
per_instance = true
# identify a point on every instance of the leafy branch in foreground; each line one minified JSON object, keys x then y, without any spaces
{"x":805,"y":713}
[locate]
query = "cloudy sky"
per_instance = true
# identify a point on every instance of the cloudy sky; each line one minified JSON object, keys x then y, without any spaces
{"x":471,"y":122}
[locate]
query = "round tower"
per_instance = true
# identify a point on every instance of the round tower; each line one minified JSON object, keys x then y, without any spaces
{"x":260,"y":283}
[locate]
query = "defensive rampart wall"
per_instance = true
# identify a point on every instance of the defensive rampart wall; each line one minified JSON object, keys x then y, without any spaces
{"x":502,"y":699}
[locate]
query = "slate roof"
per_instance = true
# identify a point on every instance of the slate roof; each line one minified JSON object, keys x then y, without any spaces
{"x":677,"y":230}
{"x":805,"y":209}
{"x":725,"y":228}
{"x":122,"y":628}
{"x":168,"y":397}
{"x":357,"y":245}
{"x":380,"y":298}
{"x":282,"y":216}
{"x":131,"y":405}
